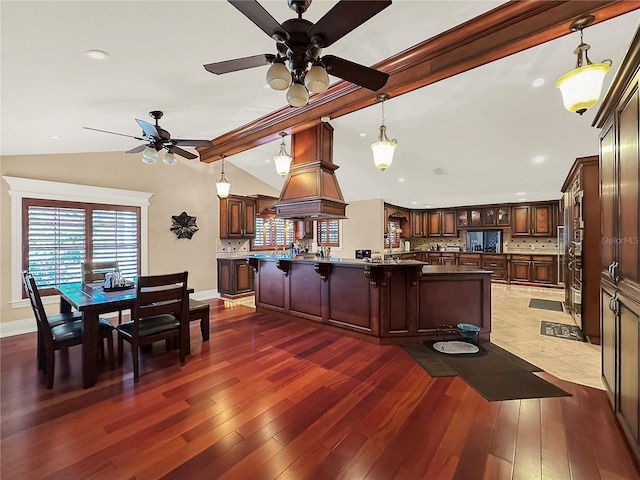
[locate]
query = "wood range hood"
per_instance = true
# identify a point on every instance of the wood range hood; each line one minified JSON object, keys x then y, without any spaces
{"x":311,"y":189}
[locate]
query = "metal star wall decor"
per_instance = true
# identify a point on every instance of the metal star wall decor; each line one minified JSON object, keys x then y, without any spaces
{"x":184,"y":225}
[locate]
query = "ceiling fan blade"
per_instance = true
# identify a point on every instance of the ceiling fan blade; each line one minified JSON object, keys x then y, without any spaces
{"x":150,"y":131}
{"x":113,"y":133}
{"x":181,"y":152}
{"x":261,"y":18}
{"x":192,"y":143}
{"x":239,"y":64}
{"x":355,"y":73}
{"x":139,"y":148}
{"x":345,"y":16}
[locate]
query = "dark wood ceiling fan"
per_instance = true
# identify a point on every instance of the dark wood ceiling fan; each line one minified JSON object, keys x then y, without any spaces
{"x":299,"y":43}
{"x":158,"y":138}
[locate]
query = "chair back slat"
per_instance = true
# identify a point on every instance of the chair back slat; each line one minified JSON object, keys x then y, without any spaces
{"x":96,"y":270}
{"x":161,"y":294}
{"x":37,"y":306}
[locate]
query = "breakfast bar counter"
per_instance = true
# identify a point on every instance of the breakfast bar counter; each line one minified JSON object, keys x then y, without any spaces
{"x":391,"y":302}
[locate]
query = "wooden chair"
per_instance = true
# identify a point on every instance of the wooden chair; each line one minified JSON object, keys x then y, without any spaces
{"x":57,"y":336}
{"x":161,"y":307}
{"x":199,"y":311}
{"x":96,"y":270}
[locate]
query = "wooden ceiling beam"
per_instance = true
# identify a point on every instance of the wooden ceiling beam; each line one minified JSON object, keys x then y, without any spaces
{"x":510,"y":28}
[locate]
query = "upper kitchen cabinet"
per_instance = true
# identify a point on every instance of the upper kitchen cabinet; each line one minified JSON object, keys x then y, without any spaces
{"x":490,"y":216}
{"x":237,"y":217}
{"x":503,"y":216}
{"x":418,"y":223}
{"x":535,"y":220}
{"x":441,"y":223}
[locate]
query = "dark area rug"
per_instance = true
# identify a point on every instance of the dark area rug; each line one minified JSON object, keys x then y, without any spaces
{"x":554,"y":305}
{"x":560,"y":330}
{"x":493,"y":372}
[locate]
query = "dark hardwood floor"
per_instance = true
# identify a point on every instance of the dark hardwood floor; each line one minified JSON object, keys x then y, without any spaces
{"x":266,"y":398}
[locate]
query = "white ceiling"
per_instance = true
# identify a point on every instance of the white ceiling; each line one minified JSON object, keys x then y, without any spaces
{"x":483,"y":127}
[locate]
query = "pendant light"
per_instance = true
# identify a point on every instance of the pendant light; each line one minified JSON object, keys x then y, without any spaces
{"x":384,"y":148}
{"x":223,"y":186}
{"x":581,"y":87}
{"x":282,"y":159}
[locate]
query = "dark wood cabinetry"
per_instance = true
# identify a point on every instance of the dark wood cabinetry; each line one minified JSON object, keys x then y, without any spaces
{"x":533,"y":269}
{"x":498,"y":266}
{"x":490,"y":216}
{"x":235,"y":277}
{"x":418,"y":223}
{"x":619,"y":156}
{"x":470,"y":259}
{"x":534,"y":220}
{"x":442,"y":223}
{"x":237,"y":217}
{"x":304,"y":229}
{"x":582,"y":246}
{"x":440,"y":258}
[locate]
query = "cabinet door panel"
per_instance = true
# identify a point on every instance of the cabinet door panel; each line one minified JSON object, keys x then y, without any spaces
{"x":542,"y":217}
{"x":434,"y":220}
{"x":449,"y":224}
{"x":243,"y":277}
{"x":520,"y":271}
{"x":235,"y":217}
{"x":417,"y":224}
{"x":520,"y":222}
{"x":543,"y":272}
{"x":629,"y":367}
{"x":224,"y":277}
{"x":607,"y":195}
{"x":249,"y":218}
{"x":463,"y":218}
{"x":628,"y":192}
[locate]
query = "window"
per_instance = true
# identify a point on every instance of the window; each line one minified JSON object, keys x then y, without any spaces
{"x":328,"y":233}
{"x":29,"y":188}
{"x":272,"y":233}
{"x":392,"y":238}
{"x":58,"y":235}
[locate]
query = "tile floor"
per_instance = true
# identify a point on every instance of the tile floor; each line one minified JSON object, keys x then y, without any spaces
{"x":516,"y":328}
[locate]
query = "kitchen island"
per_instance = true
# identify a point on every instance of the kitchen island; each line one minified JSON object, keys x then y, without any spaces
{"x":392,"y":302}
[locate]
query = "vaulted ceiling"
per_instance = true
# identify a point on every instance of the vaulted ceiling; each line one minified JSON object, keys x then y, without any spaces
{"x":482,"y":127}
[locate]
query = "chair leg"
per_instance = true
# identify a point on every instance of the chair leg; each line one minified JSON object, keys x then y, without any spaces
{"x":120,"y":349}
{"x":204,"y":326}
{"x":183,"y":348}
{"x":50,"y":367}
{"x":134,"y":354}
{"x":112,"y":360}
{"x":119,"y":317}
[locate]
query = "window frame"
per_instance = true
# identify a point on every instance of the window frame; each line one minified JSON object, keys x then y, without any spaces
{"x":272,"y":246}
{"x":327,"y":243}
{"x":20,"y":188}
{"x":88,"y":209}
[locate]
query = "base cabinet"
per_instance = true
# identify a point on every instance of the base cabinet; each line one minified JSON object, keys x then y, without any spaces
{"x":235,"y":277}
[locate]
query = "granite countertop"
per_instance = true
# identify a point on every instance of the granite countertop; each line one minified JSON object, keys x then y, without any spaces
{"x":336,"y":260}
{"x":449,"y":269}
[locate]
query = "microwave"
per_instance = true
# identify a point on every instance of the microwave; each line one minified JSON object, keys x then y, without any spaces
{"x":363,"y":254}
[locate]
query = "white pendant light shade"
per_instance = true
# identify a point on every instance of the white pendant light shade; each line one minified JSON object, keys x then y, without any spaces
{"x":282,"y":159}
{"x":581,"y":87}
{"x":316,"y":79}
{"x":223,"y":186}
{"x":383,"y":151}
{"x":297,"y":95}
{"x":169,"y":159}
{"x":278,"y":76}
{"x":149,"y":156}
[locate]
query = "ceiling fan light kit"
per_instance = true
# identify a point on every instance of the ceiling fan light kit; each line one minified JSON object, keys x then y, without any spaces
{"x":150,"y":156}
{"x":384,"y":148}
{"x":299,"y":44}
{"x":581,"y":87}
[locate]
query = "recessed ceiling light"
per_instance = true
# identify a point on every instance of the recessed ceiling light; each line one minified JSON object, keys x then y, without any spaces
{"x":267,"y":160}
{"x":427,"y":205}
{"x":363,"y":134}
{"x":414,"y":203}
{"x":96,"y":54}
{"x":522,"y":199}
{"x":55,"y":137}
{"x":401,"y":179}
{"x":538,"y":159}
{"x":520,"y":194}
{"x":538,"y":82}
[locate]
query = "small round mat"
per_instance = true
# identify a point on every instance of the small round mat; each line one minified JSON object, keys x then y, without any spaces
{"x":455,"y":347}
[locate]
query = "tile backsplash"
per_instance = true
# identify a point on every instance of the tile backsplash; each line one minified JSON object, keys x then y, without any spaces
{"x":226,"y":245}
{"x":509,"y":244}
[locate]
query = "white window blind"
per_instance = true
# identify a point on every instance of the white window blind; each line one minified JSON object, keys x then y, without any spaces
{"x":56,"y":244}
{"x":328,"y":233}
{"x":115,"y":237}
{"x":273,"y":232}
{"x":393,"y":237}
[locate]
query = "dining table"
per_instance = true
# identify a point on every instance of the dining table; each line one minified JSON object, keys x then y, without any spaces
{"x":92,"y":300}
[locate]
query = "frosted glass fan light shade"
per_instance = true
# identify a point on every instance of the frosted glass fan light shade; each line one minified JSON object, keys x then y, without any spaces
{"x":223,"y":187}
{"x":316,"y":79}
{"x":283,"y":163}
{"x":383,"y":153}
{"x":297,"y":95}
{"x":169,"y":159}
{"x":149,"y":156}
{"x":278,"y":76}
{"x":581,"y":87}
